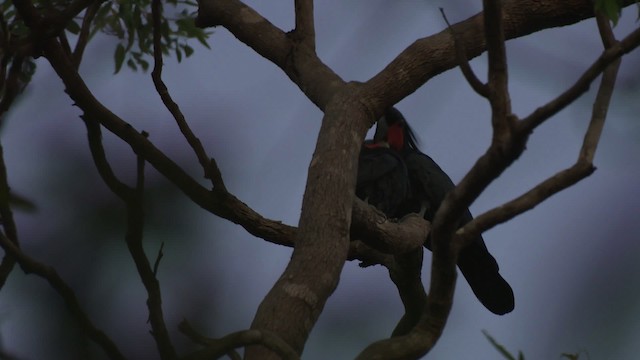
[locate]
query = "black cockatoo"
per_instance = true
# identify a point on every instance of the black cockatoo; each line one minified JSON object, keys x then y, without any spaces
{"x":429,"y":185}
{"x":383,"y":180}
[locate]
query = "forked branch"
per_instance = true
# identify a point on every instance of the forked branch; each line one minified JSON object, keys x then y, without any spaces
{"x":210,"y":167}
{"x":133,"y":199}
{"x":568,"y":177}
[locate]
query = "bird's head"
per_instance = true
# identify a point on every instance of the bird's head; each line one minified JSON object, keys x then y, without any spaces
{"x":393,"y":129}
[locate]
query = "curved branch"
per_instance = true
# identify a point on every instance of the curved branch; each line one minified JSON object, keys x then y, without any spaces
{"x":541,"y":114}
{"x":29,"y":265}
{"x":216,"y":348}
{"x":209,"y":166}
{"x":386,"y":236}
{"x":300,"y":63}
{"x":432,"y":55}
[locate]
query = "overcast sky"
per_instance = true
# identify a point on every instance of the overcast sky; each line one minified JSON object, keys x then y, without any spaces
{"x":573,"y":261}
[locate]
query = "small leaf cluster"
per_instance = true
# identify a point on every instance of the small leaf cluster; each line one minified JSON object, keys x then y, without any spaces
{"x":612,"y":9}
{"x":131,"y":22}
{"x":11,"y":30}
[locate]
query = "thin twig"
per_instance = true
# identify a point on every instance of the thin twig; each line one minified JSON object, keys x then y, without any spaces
{"x":30,"y":265}
{"x":210,"y":168}
{"x":12,"y":85}
{"x":133,"y":199}
{"x":6,"y":215}
{"x":603,"y":97}
{"x":475,"y":83}
{"x":85,"y":32}
{"x":156,"y":264}
{"x":608,"y":56}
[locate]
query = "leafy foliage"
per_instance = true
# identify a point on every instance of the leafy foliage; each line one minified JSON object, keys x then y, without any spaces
{"x":612,"y":9}
{"x":128,"y":20}
{"x":501,"y":349}
{"x":131,"y":22}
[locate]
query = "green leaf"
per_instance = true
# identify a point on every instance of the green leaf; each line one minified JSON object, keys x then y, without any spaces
{"x":132,"y":65}
{"x":501,"y":349}
{"x":611,"y":8}
{"x":119,"y":57}
{"x":73,"y":27}
{"x":144,"y":64}
{"x":188,"y":50}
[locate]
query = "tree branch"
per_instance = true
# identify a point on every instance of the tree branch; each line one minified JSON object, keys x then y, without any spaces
{"x":6,"y":216}
{"x":133,"y":198}
{"x":461,"y":55}
{"x":406,"y":274}
{"x":498,"y":76}
{"x":560,"y":181}
{"x":216,"y":348}
{"x":581,"y":86}
{"x":300,"y":63}
{"x":305,"y":29}
{"x":322,"y":242}
{"x":386,"y":236}
{"x":31,"y":266}
{"x":85,"y":32}
{"x":432,"y":55}
{"x":209,"y":166}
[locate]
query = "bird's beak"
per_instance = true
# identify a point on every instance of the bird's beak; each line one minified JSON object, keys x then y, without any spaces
{"x":381,"y":130}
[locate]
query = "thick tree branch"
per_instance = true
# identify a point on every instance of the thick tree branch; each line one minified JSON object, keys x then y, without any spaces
{"x":216,"y":348}
{"x":322,"y":242}
{"x":432,"y":55}
{"x":300,"y":63}
{"x":389,"y":237}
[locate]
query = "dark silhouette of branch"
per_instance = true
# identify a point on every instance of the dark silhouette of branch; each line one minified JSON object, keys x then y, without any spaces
{"x":300,"y":63}
{"x":478,"y":86}
{"x":498,"y":75}
{"x":30,"y":265}
{"x":215,"y":348}
{"x":133,"y":198}
{"x":6,"y":217}
{"x":405,"y":272}
{"x":11,"y":86}
{"x":541,"y":114}
{"x":85,"y":32}
{"x":568,"y":177}
{"x":210,"y":167}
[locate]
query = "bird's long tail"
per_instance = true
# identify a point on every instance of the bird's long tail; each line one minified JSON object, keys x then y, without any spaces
{"x":481,"y":271}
